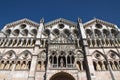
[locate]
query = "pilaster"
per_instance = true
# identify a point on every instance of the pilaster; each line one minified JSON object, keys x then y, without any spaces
{"x":88,"y":59}
{"x":33,"y":68}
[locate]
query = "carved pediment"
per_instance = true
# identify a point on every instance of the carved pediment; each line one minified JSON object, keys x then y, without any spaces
{"x":60,"y":20}
{"x":62,"y":39}
{"x":98,"y":21}
{"x":22,"y":21}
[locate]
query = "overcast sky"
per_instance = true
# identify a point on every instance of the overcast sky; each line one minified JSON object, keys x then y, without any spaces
{"x":12,"y":10}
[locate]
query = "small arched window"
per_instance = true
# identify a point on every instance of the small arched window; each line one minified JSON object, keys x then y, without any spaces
{"x":97,"y":33}
{"x":99,"y":26}
{"x":106,"y":33}
{"x":22,"y":26}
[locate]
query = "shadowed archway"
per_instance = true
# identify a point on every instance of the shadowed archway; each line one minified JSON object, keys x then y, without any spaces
{"x":62,"y":76}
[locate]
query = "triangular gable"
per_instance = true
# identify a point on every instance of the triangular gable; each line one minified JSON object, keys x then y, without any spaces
{"x":25,"y":20}
{"x":99,"y":21}
{"x":60,"y":20}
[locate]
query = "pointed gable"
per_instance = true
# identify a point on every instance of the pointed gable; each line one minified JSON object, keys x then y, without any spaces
{"x":60,"y":20}
{"x":98,"y":21}
{"x":22,"y":21}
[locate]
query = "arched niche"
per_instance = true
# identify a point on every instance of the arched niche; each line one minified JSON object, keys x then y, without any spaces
{"x":97,"y":33}
{"x":34,"y":32}
{"x":66,"y":31}
{"x":42,"y":54}
{"x":16,"y":32}
{"x":46,"y":32}
{"x":75,"y":32}
{"x":9,"y":55}
{"x":89,"y":33}
{"x":25,"y":55}
{"x":114,"y":32}
{"x":106,"y":32}
{"x":56,"y":31}
{"x":99,"y":61}
{"x":8,"y":31}
{"x":25,"y":32}
{"x":113,"y":55}
{"x":98,"y":55}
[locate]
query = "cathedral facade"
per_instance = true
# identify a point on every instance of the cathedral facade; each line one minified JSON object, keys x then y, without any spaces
{"x":60,"y":50}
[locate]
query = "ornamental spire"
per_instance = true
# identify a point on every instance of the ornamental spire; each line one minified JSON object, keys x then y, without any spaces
{"x":79,"y":20}
{"x":42,"y":20}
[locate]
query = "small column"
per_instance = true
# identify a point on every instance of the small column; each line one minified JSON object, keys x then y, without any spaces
{"x":12,"y":71}
{"x":31,"y":42}
{"x":66,"y":61}
{"x":32,"y":68}
{"x":4,"y":42}
{"x":81,"y":65}
{"x":13,"y":43}
{"x":103,"y":66}
{"x":91,"y":45}
{"x":49,"y":60}
{"x":117,"y":43}
{"x":20,"y":44}
{"x":118,"y":66}
{"x":105,"y":44}
{"x":42,"y":66}
{"x":26,"y":44}
{"x":95,"y":43}
{"x":7,"y":43}
{"x":52,"y":61}
{"x":57,"y":61}
{"x":17,"y":42}
{"x":78,"y":43}
{"x":98,"y":67}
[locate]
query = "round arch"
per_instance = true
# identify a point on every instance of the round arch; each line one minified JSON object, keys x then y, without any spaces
{"x":62,"y":76}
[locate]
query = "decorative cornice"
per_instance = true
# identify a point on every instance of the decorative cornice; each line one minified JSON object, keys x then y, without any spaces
{"x":60,"y":20}
{"x":25,"y":20}
{"x":99,"y":21}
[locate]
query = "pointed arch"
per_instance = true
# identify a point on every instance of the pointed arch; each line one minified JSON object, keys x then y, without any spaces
{"x":97,"y":51}
{"x":113,"y":53}
{"x":79,"y":53}
{"x":100,"y":62}
{"x":25,"y":54}
{"x":10,"y":51}
{"x":9,"y":54}
{"x":42,"y":54}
